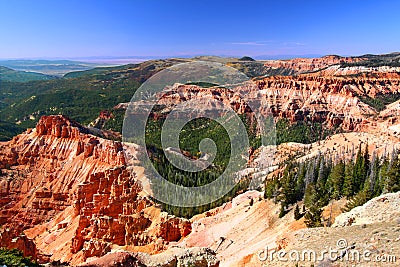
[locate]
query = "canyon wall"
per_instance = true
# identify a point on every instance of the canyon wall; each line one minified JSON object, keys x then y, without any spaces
{"x":67,"y":195}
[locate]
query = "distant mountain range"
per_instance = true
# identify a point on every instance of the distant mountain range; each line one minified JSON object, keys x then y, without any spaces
{"x":49,"y":67}
{"x":10,"y":75}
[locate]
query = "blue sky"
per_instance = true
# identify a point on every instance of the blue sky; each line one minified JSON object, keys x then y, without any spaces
{"x":68,"y":29}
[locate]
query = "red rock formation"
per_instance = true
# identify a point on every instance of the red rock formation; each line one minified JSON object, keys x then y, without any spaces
{"x":100,"y":123}
{"x":58,"y":179}
{"x":333,"y":101}
{"x":67,"y":195}
{"x":105,"y":114}
{"x":310,"y":64}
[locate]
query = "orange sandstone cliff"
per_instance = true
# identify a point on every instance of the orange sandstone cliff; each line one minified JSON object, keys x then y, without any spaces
{"x":67,"y":195}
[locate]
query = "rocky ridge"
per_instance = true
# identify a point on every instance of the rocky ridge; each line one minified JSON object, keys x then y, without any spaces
{"x":67,"y":195}
{"x":384,"y":208}
{"x":301,"y":65}
{"x":373,"y":227}
{"x":333,"y":101}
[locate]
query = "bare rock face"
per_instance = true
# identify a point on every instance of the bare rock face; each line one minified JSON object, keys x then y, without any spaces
{"x":310,"y":64}
{"x":57,"y":126}
{"x":59,"y":182}
{"x":177,"y":257}
{"x":102,"y":119}
{"x":384,"y":208}
{"x":21,"y":242}
{"x":119,"y":259}
{"x":330,"y":100}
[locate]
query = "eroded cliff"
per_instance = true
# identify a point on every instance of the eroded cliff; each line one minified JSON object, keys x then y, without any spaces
{"x":67,"y":195}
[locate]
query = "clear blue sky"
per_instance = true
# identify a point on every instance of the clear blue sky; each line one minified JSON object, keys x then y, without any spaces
{"x":70,"y":28}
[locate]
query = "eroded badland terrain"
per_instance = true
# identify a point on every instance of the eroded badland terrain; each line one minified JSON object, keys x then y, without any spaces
{"x":68,"y":194}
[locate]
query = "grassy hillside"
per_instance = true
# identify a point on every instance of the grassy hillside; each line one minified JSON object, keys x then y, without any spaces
{"x":392,"y":60}
{"x":256,"y":69}
{"x":83,"y":94}
{"x":80,"y":96}
{"x":49,"y":67}
{"x":7,"y":74}
{"x":8,"y":130}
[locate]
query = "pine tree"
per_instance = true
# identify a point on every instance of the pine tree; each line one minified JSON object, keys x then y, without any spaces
{"x":358,"y":200}
{"x":336,"y":180}
{"x":383,"y":171}
{"x":297,"y":214}
{"x":301,"y":184}
{"x":282,"y":211}
{"x":313,"y":203}
{"x":271,"y":188}
{"x":359,"y":172}
{"x":393,"y":176}
{"x":289,"y":181}
{"x":372,"y":184}
{"x":313,"y":216}
{"x":310,"y":196}
{"x":323,"y":172}
{"x":367,"y":163}
{"x":348,"y":188}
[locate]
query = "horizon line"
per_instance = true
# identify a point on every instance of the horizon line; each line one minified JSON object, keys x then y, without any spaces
{"x":150,"y":57}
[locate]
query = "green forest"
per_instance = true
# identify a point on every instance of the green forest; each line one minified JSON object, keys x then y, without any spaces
{"x":318,"y":180}
{"x":15,"y":258}
{"x":190,"y":136}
